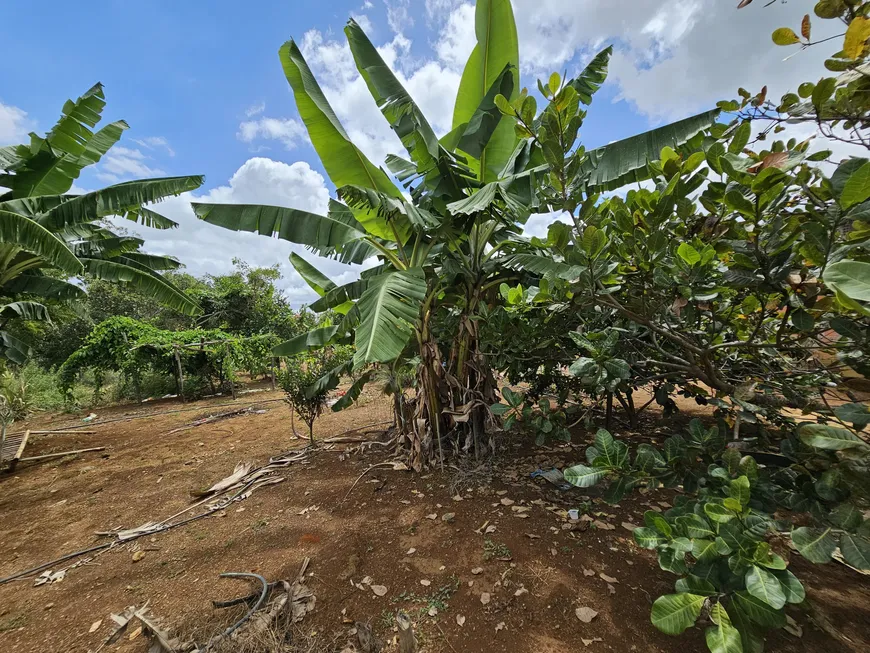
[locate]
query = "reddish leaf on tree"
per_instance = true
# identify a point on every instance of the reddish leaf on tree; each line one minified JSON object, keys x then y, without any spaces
{"x":805,"y":27}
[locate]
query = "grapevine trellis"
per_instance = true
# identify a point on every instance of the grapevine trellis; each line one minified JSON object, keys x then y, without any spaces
{"x":131,"y":348}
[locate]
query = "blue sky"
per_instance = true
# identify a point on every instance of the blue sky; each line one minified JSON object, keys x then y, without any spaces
{"x":202,"y":89}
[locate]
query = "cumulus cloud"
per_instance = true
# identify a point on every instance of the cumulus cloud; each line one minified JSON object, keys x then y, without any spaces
{"x":288,"y":131}
{"x":432,"y":84}
{"x":123,"y":163}
{"x":207,"y":249}
{"x":14,"y":125}
{"x":155,"y":143}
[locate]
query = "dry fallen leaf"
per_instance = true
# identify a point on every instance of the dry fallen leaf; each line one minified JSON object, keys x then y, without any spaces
{"x":433,"y":611}
{"x":485,"y":597}
{"x":460,"y":620}
{"x":507,"y":502}
{"x":500,"y":626}
{"x":432,"y":516}
{"x":587,"y":642}
{"x":604,"y":526}
{"x":135,"y":634}
{"x":606,"y":578}
{"x":627,"y":525}
{"x":96,"y":626}
{"x":379,"y":590}
{"x":588,"y":572}
{"x":585,"y":614}
{"x":521,"y":591}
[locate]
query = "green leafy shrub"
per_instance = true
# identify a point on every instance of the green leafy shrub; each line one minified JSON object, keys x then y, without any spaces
{"x":307,"y":381}
{"x":547,"y":421}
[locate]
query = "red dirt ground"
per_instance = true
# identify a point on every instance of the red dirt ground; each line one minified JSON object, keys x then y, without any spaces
{"x":145,"y":474}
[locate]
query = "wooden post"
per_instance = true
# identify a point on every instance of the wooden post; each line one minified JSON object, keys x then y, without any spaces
{"x":180,"y":375}
{"x":17,"y":456}
{"x":407,"y":643}
{"x":272,"y":370}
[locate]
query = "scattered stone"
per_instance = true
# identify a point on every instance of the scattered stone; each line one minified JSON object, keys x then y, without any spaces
{"x":489,"y":529}
{"x":460,"y":620}
{"x":48,"y":606}
{"x":611,"y":589}
{"x":425,"y":583}
{"x":448,"y":517}
{"x":521,"y":591}
{"x":500,"y":626}
{"x":485,"y":597}
{"x":432,"y":516}
{"x":585,"y":614}
{"x":138,"y":555}
{"x":477,"y":570}
{"x":411,"y":551}
{"x":95,"y":626}
{"x":532,"y":536}
{"x":606,"y":578}
{"x":379,"y":590}
{"x":501,"y":493}
{"x":433,"y":611}
{"x":457,"y":497}
{"x":588,"y":572}
{"x":507,"y":502}
{"x":589,"y":642}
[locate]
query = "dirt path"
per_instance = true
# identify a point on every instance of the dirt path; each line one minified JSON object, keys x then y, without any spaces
{"x":535,"y":572}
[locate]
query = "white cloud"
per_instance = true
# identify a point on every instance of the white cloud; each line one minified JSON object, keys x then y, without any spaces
{"x":671,"y":58}
{"x":207,"y":249}
{"x":432,"y":85}
{"x":155,"y":143}
{"x":14,"y":125}
{"x":457,"y":38}
{"x":122,"y":163}
{"x":255,"y":109}
{"x":399,"y":15}
{"x":287,"y":130}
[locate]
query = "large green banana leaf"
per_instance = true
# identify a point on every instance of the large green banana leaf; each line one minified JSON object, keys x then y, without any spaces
{"x":593,"y":76}
{"x":41,"y":286}
{"x":28,"y":235}
{"x":57,"y":160}
{"x":341,"y":295}
{"x":393,"y":100}
{"x":497,"y":46}
{"x":150,"y":218}
{"x":24,"y":310}
{"x":144,"y":281}
{"x":314,"y":339}
{"x":115,"y":200}
{"x":316,"y":231}
{"x":152,"y":261}
{"x":319,"y":282}
{"x":13,"y":348}
{"x":624,"y":162}
{"x":343,"y":161}
{"x":388,"y":309}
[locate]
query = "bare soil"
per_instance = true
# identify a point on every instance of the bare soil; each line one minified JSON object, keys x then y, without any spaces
{"x":536,"y":572}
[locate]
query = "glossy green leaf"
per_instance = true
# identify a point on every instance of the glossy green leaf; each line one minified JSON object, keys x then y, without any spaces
{"x":856,"y":550}
{"x":318,"y":281}
{"x":764,"y":586}
{"x":28,"y":235}
{"x":815,"y":544}
{"x":830,"y":438}
{"x":583,"y":476}
{"x":674,"y":613}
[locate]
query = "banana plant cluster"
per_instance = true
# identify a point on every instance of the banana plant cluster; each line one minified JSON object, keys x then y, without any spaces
{"x":441,"y":252}
{"x":49,"y":236}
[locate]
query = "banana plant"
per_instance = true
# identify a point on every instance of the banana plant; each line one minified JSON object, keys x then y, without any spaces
{"x":49,"y":236}
{"x":440,"y":248}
